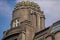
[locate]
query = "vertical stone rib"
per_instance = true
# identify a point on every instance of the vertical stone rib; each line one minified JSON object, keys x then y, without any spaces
{"x":38,"y":22}
{"x":42,"y":22}
{"x":33,"y":20}
{"x":23,"y":36}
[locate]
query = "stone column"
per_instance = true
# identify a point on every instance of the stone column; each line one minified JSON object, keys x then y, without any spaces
{"x":21,"y":36}
{"x":38,"y":22}
{"x":42,"y":22}
{"x":33,"y":20}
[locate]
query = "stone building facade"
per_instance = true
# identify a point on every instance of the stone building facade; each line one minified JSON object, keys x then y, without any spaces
{"x":50,"y":33}
{"x":28,"y":23}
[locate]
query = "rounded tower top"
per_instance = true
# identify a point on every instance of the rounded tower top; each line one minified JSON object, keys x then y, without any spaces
{"x":27,"y":4}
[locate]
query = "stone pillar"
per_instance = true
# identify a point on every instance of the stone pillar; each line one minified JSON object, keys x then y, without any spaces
{"x":22,"y":36}
{"x":29,"y":33}
{"x":33,"y":20}
{"x":42,"y":22}
{"x":38,"y":22}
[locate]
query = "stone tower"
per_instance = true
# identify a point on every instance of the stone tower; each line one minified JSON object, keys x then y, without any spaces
{"x":27,"y":19}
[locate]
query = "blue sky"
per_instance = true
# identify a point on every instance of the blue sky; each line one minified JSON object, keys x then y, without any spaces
{"x":51,"y":10}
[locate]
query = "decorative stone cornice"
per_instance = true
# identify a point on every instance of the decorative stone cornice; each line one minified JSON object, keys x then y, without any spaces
{"x":56,"y":23}
{"x":27,"y":4}
{"x":12,"y":31}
